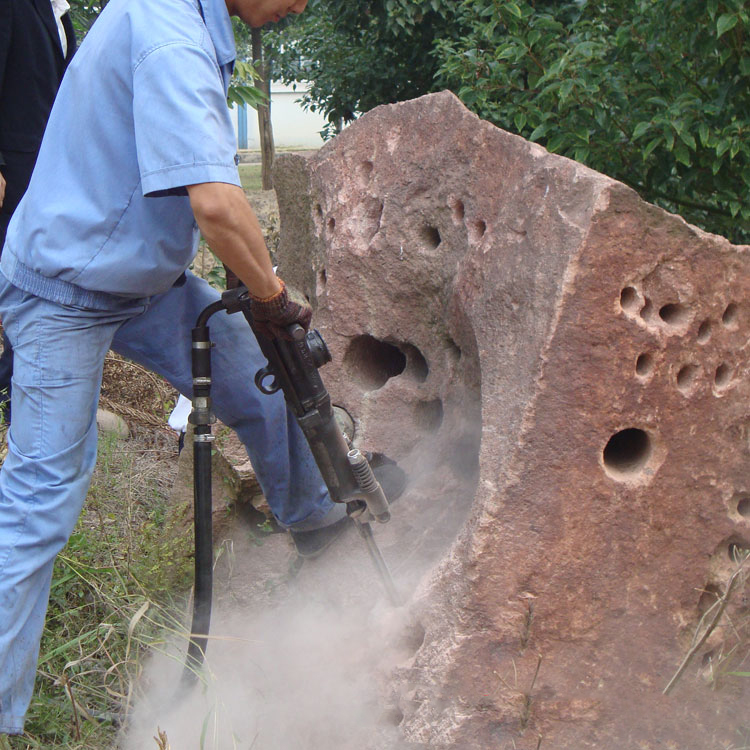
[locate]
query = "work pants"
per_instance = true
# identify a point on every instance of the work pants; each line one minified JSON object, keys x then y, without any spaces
{"x":59,"y":353}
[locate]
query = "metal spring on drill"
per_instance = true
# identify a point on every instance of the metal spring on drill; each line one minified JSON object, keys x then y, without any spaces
{"x":362,"y":471}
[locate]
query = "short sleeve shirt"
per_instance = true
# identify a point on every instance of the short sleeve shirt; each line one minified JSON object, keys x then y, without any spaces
{"x":140,"y":115}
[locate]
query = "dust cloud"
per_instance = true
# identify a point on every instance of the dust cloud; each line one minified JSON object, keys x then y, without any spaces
{"x":305,"y":674}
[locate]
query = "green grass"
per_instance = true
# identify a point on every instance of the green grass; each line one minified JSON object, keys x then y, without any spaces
{"x":250,"y":176}
{"x":111,"y":601}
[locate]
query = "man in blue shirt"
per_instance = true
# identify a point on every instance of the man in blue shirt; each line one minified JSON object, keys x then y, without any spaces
{"x":138,"y":157}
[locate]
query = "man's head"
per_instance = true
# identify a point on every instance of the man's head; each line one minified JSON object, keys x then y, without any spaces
{"x":260,"y":12}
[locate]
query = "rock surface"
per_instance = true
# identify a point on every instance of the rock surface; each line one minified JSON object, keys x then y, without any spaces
{"x":563,"y":370}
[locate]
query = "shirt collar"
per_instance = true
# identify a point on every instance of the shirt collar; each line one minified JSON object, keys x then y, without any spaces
{"x":219,"y":26}
{"x":59,"y":8}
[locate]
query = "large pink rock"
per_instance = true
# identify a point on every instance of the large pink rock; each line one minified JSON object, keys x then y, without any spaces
{"x":562,"y":368}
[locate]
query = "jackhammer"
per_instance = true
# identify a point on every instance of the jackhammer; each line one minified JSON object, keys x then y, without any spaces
{"x":292,"y":368}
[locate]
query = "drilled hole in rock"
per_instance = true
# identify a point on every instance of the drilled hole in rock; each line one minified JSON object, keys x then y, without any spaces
{"x":413,"y":639}
{"x":454,"y":350}
{"x":429,"y":415}
{"x":629,"y":299}
{"x":322,"y":276}
{"x":709,"y":596}
{"x":738,"y":550}
{"x":365,"y":170}
{"x":480,"y":227}
{"x":673,"y":314}
{"x":627,"y":452}
{"x":687,"y":376}
{"x":319,"y":210}
{"x":704,"y":332}
{"x":743,"y":507}
{"x":731,"y":315}
{"x":723,"y":375}
{"x":393,"y":716}
{"x":373,"y":362}
{"x":458,"y":210}
{"x":644,"y":364}
{"x":416,"y":364}
{"x":430,"y":236}
{"x":331,"y":224}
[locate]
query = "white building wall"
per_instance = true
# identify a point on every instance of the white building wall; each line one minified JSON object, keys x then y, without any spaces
{"x":293,"y":127}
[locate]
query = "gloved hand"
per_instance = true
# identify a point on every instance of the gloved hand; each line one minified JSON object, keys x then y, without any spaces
{"x":272,"y":315}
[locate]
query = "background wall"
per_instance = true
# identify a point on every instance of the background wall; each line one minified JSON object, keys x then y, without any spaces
{"x":292,"y":125}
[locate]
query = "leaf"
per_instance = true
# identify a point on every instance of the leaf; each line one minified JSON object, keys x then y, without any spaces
{"x":669,"y":139}
{"x":734,"y":208}
{"x":688,"y":139}
{"x":704,"y":133}
{"x":581,"y":154}
{"x":682,"y":154}
{"x":640,"y":129}
{"x":539,"y":132}
{"x":726,"y":22}
{"x":514,"y":9}
{"x":519,"y":120}
{"x":556,"y":142}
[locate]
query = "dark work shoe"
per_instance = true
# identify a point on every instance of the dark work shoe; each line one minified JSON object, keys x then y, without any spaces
{"x":310,"y":544}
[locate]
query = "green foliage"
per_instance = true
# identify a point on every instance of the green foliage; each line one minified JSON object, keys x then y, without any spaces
{"x":652,"y":93}
{"x":242,"y":89}
{"x":84,"y":13}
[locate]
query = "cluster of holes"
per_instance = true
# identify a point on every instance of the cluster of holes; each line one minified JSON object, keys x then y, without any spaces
{"x":677,"y":315}
{"x":476,"y":228}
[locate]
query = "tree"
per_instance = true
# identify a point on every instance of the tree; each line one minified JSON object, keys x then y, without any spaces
{"x":262,"y":63}
{"x":357,"y":54}
{"x":651,"y":92}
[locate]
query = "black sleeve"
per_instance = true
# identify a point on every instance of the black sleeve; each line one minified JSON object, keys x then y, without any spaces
{"x":6,"y":23}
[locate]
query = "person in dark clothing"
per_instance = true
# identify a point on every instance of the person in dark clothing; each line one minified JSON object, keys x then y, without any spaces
{"x":37,"y":41}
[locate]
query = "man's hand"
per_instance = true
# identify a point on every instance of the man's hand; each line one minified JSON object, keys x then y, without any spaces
{"x":272,"y":315}
{"x":2,"y":189}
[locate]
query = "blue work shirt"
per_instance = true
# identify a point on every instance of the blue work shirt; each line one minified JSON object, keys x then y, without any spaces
{"x":141,"y":113}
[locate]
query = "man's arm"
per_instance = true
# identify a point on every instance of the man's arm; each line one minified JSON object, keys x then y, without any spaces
{"x":229,"y":225}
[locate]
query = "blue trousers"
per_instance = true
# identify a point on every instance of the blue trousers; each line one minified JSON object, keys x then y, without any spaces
{"x":59,"y":353}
